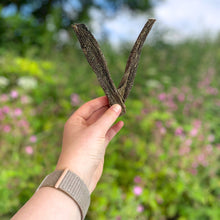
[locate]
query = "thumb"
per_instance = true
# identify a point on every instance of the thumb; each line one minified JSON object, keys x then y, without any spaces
{"x":108,"y":118}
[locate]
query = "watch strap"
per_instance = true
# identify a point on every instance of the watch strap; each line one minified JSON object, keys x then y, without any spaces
{"x":72,"y":185}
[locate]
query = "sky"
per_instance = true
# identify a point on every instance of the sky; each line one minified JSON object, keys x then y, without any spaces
{"x":178,"y":19}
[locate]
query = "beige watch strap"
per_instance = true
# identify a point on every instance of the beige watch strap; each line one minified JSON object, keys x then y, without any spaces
{"x":72,"y":185}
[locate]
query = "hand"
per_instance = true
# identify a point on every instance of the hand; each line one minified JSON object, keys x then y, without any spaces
{"x":86,"y":136}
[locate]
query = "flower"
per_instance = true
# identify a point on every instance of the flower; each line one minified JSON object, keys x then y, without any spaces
{"x":23,"y":123}
{"x":201,"y":158}
{"x":29,"y":150}
{"x":5,"y":109}
{"x":193,"y":171}
{"x":25,"y":99}
{"x":184,"y":150}
{"x":7,"y":128}
{"x":170,"y":103}
{"x":137,"y":190}
{"x":3,"y":81}
{"x":197,"y":123}
{"x":75,"y":100}
{"x":179,"y":131}
{"x":33,"y":139}
{"x":188,"y":142}
{"x":181,"y":97}
{"x":17,"y":112}
{"x":140,"y":208}
{"x":194,"y":164}
{"x":137,"y":179}
{"x":14,"y":94}
{"x":194,"y":132}
{"x":4,"y":98}
{"x":27,"y":82}
{"x":163,"y":130}
{"x":162,"y":96}
{"x":212,"y":91}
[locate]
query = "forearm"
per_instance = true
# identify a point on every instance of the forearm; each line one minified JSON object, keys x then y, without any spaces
{"x":49,"y":203}
{"x":83,"y":150}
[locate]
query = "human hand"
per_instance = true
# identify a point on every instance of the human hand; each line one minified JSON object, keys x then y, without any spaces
{"x":86,"y":135}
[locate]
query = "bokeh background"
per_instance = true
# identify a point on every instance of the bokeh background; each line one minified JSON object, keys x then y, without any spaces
{"x":164,"y":164}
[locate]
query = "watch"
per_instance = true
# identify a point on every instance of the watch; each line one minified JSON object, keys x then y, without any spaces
{"x":72,"y":185}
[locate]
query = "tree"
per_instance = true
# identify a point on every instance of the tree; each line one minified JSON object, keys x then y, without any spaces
{"x":75,"y":10}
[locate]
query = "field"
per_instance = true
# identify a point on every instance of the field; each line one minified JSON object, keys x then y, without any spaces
{"x":164,"y":164}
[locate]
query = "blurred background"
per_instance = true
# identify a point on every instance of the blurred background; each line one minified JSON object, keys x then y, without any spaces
{"x":164,"y":164}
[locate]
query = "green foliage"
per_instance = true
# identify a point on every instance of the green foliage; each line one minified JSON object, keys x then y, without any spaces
{"x":79,"y":9}
{"x":164,"y":162}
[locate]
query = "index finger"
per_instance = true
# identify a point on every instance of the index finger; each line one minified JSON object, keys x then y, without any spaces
{"x":86,"y":110}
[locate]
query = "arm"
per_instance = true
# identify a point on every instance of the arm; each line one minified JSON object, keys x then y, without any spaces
{"x":86,"y":136}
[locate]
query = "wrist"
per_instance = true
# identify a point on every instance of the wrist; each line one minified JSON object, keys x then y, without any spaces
{"x":78,"y":172}
{"x":72,"y":185}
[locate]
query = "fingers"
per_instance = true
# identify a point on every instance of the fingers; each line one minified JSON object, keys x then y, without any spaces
{"x":86,"y":110}
{"x":108,"y":118}
{"x":96,"y":115}
{"x":113,"y":131}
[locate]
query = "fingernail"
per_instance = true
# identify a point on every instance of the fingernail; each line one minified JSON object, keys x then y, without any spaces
{"x":116,"y":108}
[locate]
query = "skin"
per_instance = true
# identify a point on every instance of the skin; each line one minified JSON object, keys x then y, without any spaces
{"x":86,"y":135}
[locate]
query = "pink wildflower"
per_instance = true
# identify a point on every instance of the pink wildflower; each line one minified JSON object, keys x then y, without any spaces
{"x":137,"y":179}
{"x":29,"y":150}
{"x":137,"y":190}
{"x":188,"y":142}
{"x":23,"y":123}
{"x":140,"y":208}
{"x":179,"y":131}
{"x":181,"y":97}
{"x":75,"y":100}
{"x":159,"y":124}
{"x":17,"y":112}
{"x":7,"y":128}
{"x":184,"y":150}
{"x":212,"y":91}
{"x":194,"y":164}
{"x":194,"y":132}
{"x":4,"y":98}
{"x":144,"y":111}
{"x":201,"y":158}
{"x":197,"y":123}
{"x":162,"y":96}
{"x":24,"y":99}
{"x":193,"y":171}
{"x":14,"y":94}
{"x":172,"y":105}
{"x":163,"y":130}
{"x":5,"y":109}
{"x":33,"y":139}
